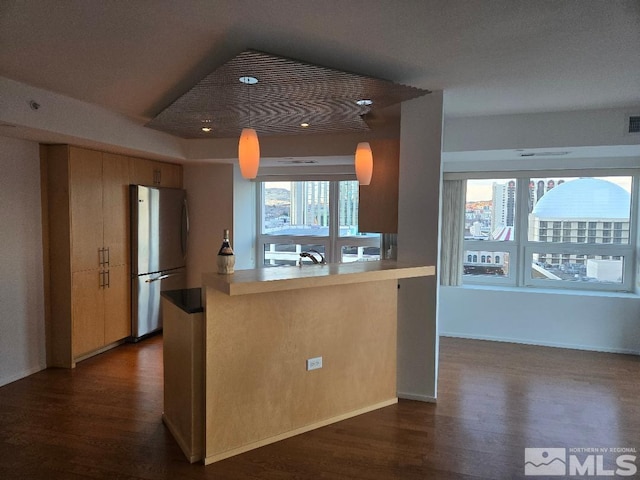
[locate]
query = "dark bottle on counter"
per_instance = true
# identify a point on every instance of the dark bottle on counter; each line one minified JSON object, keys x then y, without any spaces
{"x":226,"y":258}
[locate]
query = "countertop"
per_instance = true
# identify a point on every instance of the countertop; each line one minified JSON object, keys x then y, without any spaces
{"x":264,"y":280}
{"x":187,"y":299}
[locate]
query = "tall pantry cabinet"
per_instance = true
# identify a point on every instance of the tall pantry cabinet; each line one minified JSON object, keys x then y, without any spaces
{"x":86,"y":217}
{"x":88,"y":237}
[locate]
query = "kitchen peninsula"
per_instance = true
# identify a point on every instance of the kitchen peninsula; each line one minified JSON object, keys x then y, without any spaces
{"x":290,"y":349}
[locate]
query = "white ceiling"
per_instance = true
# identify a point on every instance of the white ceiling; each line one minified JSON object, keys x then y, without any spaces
{"x":489,"y":56}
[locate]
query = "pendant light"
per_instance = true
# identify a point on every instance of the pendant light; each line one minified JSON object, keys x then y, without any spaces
{"x":364,"y":163}
{"x":248,"y":144}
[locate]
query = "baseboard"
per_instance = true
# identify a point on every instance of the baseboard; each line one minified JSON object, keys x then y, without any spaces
{"x":192,"y":457}
{"x":417,"y":397}
{"x":19,"y":376}
{"x":521,"y":341}
{"x":292,"y":433}
{"x":99,"y":351}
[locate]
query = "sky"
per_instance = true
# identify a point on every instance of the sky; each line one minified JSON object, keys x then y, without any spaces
{"x":481,"y":189}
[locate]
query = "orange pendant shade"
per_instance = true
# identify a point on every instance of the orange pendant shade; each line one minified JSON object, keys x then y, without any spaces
{"x":364,"y":163}
{"x":249,"y":153}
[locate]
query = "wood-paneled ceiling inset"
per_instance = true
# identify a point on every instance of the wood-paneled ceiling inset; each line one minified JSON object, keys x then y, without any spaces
{"x":288,"y":93}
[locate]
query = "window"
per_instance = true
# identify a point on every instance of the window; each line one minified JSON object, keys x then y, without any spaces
{"x":490,"y":228}
{"x":312,"y":215}
{"x":571,"y":232}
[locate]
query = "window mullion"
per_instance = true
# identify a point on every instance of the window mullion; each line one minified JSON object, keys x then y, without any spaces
{"x":522,"y":232}
{"x":634,"y":241}
{"x":334,"y":220}
{"x":259,"y":222}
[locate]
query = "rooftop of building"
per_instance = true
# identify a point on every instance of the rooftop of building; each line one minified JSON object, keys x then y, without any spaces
{"x":585,"y":198}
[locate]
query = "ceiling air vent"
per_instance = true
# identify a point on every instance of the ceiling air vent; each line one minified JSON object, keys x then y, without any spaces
{"x":297,"y":162}
{"x":634,"y":124}
{"x":544,"y":154}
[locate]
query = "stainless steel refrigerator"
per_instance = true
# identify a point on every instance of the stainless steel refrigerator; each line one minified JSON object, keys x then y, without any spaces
{"x":159,"y":229}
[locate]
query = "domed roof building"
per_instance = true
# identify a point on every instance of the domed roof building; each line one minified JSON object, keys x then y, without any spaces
{"x":584,"y":199}
{"x":585,"y":210}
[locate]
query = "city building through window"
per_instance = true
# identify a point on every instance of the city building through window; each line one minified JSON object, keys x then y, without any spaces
{"x":571,"y":232}
{"x":299,"y":216}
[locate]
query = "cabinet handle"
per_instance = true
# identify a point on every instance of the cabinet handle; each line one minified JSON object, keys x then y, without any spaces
{"x":108,"y":280}
{"x":106,"y":262}
{"x":100,"y":257}
{"x":161,"y":277}
{"x":101,"y":279}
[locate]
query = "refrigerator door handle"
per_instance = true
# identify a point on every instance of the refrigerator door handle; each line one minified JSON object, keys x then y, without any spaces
{"x":161,"y":277}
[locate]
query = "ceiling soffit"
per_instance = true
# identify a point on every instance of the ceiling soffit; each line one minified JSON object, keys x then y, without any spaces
{"x":288,"y":93}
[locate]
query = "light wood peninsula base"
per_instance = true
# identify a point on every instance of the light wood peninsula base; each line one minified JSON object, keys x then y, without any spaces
{"x":262,"y":325}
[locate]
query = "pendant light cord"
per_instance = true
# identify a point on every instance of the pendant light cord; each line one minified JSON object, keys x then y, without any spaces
{"x":249,"y":95}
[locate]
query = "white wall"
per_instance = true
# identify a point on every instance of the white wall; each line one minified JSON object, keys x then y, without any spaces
{"x":539,"y":130}
{"x":575,"y":320}
{"x":210,"y":197}
{"x":244,"y":221}
{"x":62,"y":119}
{"x":219,"y":198}
{"x":22,"y":330}
{"x":560,"y":319}
{"x":418,"y":214}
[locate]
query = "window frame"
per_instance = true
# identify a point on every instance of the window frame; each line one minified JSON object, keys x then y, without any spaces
{"x":332,"y":243}
{"x":521,"y":249}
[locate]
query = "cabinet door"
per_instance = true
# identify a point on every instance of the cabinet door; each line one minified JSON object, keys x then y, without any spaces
{"x":85,"y":196}
{"x":117,"y":305}
{"x":142,"y":172}
{"x":378,"y":203}
{"x":115,"y":201}
{"x":152,"y":173}
{"x":170,"y":175}
{"x":87,"y":312}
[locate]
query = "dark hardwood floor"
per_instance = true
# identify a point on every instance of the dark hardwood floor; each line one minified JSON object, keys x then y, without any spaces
{"x":102,"y":420}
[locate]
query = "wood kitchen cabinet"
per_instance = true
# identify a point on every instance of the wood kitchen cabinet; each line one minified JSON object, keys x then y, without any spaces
{"x":87,"y":311}
{"x":117,"y":304}
{"x":378,"y":204}
{"x":87,"y":220}
{"x":153,"y":173}
{"x":115,"y":212}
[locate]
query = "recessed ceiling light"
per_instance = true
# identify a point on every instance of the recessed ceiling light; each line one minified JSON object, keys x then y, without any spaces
{"x":206,"y":129}
{"x":304,"y":124}
{"x":248,"y":80}
{"x":365,"y":102}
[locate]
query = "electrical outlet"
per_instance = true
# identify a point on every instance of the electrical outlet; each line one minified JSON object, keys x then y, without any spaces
{"x":314,"y":363}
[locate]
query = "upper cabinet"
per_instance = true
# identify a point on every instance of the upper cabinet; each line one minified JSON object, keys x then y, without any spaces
{"x":378,"y":209}
{"x":84,"y":185}
{"x":153,"y":173}
{"x":115,"y":195}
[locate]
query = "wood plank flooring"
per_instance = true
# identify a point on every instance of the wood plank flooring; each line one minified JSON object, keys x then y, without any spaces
{"x":102,"y":420}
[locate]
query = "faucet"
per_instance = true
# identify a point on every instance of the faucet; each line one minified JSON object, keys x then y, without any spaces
{"x":310,"y":254}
